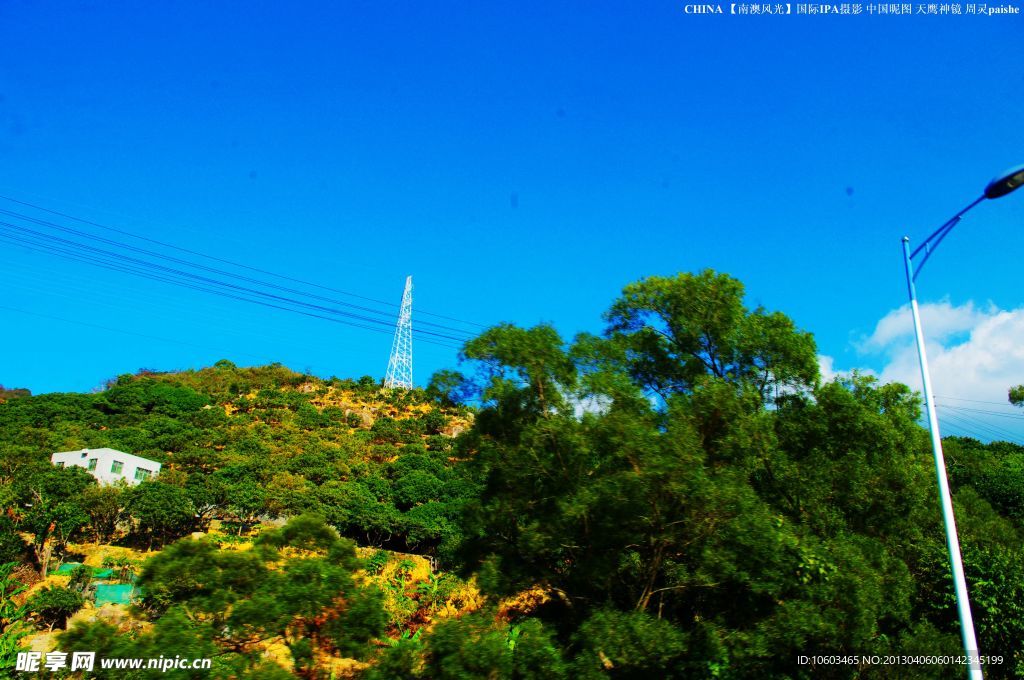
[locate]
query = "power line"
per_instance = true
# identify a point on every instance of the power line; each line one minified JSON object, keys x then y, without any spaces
{"x":966,"y":429}
{"x":156,"y":277}
{"x":979,"y":422}
{"x":176,"y":260}
{"x":226,"y":261}
{"x":998,"y":414}
{"x":121,"y":330}
{"x":103,"y":258}
{"x":977,"y":401}
{"x":978,"y":427}
{"x":101,"y":295}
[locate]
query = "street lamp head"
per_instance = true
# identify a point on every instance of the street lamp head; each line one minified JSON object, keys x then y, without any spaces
{"x":1005,"y":182}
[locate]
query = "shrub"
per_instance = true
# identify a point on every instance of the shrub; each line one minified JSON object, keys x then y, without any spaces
{"x":53,"y":605}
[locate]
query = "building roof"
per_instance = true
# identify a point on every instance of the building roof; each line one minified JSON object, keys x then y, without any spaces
{"x":103,"y":451}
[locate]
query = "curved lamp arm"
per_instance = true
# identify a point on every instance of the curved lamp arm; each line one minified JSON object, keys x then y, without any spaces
{"x":1001,"y":184}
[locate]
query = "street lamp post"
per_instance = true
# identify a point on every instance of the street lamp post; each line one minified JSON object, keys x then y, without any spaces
{"x":1000,"y":186}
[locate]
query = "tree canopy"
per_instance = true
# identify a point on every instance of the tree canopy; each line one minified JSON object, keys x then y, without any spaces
{"x":688,"y":477}
{"x":680,"y":495}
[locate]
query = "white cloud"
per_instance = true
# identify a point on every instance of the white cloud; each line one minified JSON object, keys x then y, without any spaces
{"x":940,"y":321}
{"x":974,"y":355}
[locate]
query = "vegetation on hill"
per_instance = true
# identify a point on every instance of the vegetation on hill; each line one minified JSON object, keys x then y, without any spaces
{"x":241,"y":444}
{"x":681,"y":496}
{"x":13,"y":393}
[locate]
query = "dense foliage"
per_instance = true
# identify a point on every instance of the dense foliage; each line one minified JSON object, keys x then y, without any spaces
{"x":680,"y":496}
{"x":703,"y":505}
{"x":207,"y":602}
{"x":239,"y":444}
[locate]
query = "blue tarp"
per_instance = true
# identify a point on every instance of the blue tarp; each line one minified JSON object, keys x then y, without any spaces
{"x":97,"y":572}
{"x":114,"y":594}
{"x":66,"y":568}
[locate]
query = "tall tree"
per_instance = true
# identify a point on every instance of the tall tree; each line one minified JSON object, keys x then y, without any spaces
{"x":104,"y":505}
{"x":53,"y":496}
{"x":163,"y":511}
{"x":673,"y":333}
{"x":689,"y":468}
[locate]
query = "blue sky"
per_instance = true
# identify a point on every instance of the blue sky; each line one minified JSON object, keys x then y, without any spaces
{"x":523,"y":161}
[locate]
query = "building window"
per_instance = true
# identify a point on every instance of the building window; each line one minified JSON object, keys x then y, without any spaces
{"x":142,"y":474}
{"x":59,"y":463}
{"x":92,"y":463}
{"x":116,"y":467}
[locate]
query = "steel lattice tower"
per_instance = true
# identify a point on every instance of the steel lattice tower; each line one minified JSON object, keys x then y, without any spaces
{"x":400,"y":367}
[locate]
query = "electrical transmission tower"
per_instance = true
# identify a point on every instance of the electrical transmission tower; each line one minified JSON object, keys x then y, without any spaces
{"x":400,"y":367}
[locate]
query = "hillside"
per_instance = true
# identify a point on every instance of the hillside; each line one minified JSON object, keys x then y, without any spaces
{"x":242,"y":449}
{"x":682,"y":496}
{"x":13,"y":393}
{"x":245,"y":443}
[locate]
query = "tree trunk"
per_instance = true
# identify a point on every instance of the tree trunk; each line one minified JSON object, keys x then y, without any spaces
{"x":645,"y":596}
{"x":44,"y":561}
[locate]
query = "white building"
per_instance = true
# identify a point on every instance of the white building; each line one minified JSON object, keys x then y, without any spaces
{"x":108,"y":465}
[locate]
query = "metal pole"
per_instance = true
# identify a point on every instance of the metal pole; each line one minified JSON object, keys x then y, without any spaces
{"x":963,"y":605}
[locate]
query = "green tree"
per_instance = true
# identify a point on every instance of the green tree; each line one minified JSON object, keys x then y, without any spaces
{"x":434,"y":422}
{"x":13,"y":392}
{"x":132,"y":398}
{"x":386,"y":430}
{"x":714,"y":502}
{"x":208,"y":494}
{"x":163,"y":511}
{"x":448,"y":388}
{"x":12,"y":547}
{"x":415,"y":488}
{"x":103,"y":505}
{"x":174,"y":634}
{"x":475,"y":647}
{"x":53,"y":605}
{"x":246,"y":500}
{"x":617,"y":644}
{"x":526,"y":371}
{"x":674,"y":333}
{"x":996,"y":575}
{"x":12,"y":614}
{"x":55,"y":512}
{"x":247,"y":597}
